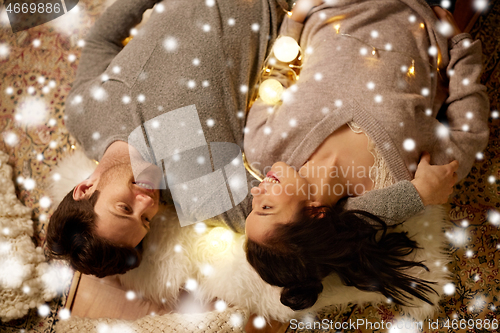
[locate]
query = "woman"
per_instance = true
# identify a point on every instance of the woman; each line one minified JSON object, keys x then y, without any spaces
{"x":381,"y":81}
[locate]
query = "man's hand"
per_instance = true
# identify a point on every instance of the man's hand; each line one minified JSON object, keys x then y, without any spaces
{"x":435,"y":183}
{"x":445,"y":16}
{"x":302,"y":8}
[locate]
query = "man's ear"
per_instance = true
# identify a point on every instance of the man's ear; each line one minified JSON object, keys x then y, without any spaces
{"x":83,"y":190}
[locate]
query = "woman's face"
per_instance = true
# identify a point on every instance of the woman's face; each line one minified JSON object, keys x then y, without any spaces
{"x":277,"y":200}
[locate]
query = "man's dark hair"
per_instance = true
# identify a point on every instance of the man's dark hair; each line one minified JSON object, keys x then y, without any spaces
{"x":299,"y":255}
{"x":71,"y":236}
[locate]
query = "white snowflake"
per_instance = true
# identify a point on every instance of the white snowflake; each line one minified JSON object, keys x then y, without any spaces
{"x":442,"y":131}
{"x":116,"y":69}
{"x":206,"y":269}
{"x":236,"y":320}
{"x":56,"y":177}
{"x":210,"y":122}
{"x":200,"y":227}
{"x":36,"y":42}
{"x":469,"y":115}
{"x":220,"y":306}
{"x":480,"y":5}
{"x":104,"y":77}
{"x":433,"y":51}
{"x":404,"y":69}
{"x":31,"y":90}
{"x":322,"y":15}
{"x":494,"y":114}
{"x":370,"y":85}
{"x":309,"y":50}
{"x":205,"y":83}
{"x":43,"y":310}
{"x":4,"y":50}
{"x":479,"y":156}
{"x":200,"y":160}
{"x":445,"y":28}
{"x":374,"y":34}
{"x":191,"y":84}
{"x":388,"y":47}
{"x":9,"y":90}
{"x":210,"y":3}
{"x":10,"y":138}
{"x":465,"y":128}
{"x":292,"y":122}
{"x":465,"y":82}
{"x":255,"y":27}
{"x":445,"y":4}
{"x":412,"y":18}
{"x":451,"y":72}
{"x":243,"y":89}
{"x":64,"y":314}
{"x":141,"y":98}
{"x":378,"y":98}
{"x":126,"y":99}
{"x":240,"y":114}
{"x":267,"y":130}
{"x":466,"y":43}
{"x":71,"y":57}
{"x":80,"y":43}
{"x":231,"y":21}
{"x":96,"y":136}
{"x":469,"y":253}
{"x":45,"y":90}
{"x":52,"y":144}
{"x":170,"y":44}
{"x":98,"y":93}
{"x":196,"y":61}
{"x":159,"y":8}
{"x":130,"y":295}
{"x":206,"y":27}
{"x":425,"y":91}
{"x":428,"y":112}
{"x":338,"y":103}
{"x":363,"y":51}
{"x":409,"y":144}
{"x":259,"y":322}
{"x":191,"y":284}
{"x":494,"y":217}
{"x":284,"y":135}
{"x":325,"y":110}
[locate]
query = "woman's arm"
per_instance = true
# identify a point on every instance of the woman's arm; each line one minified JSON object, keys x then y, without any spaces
{"x":468,"y":103}
{"x":396,"y":203}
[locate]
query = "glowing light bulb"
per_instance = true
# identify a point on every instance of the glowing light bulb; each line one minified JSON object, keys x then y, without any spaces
{"x":422,"y":25}
{"x":374,"y":52}
{"x":286,"y":49}
{"x":337,"y":28}
{"x":270,"y":91}
{"x":411,"y":70}
{"x":219,"y":240}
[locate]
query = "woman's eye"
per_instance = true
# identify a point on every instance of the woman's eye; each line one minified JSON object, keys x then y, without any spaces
{"x":266,"y":207}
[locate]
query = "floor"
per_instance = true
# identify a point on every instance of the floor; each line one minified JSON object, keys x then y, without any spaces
{"x":37,"y":67}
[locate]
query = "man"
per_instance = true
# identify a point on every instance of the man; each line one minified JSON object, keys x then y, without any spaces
{"x":192,"y":58}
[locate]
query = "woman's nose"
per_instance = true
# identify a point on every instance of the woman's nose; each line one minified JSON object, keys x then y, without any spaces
{"x":255,"y":191}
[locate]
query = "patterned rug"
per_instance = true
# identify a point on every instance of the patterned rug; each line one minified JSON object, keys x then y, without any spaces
{"x":37,"y":67}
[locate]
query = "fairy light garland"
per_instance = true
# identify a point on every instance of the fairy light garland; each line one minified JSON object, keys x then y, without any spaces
{"x":287,"y":50}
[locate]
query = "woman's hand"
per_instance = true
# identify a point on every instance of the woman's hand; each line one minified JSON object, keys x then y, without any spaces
{"x":302,"y":8}
{"x":445,"y":16}
{"x":435,"y":183}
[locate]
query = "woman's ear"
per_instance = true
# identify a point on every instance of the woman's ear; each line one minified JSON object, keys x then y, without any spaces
{"x":83,"y":190}
{"x":317,"y":209}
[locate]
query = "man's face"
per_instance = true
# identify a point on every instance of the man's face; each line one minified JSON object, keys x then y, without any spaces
{"x":126,"y":205}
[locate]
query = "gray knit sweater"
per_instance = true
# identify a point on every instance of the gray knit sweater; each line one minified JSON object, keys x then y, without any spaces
{"x":342,"y":81}
{"x":191,"y":53}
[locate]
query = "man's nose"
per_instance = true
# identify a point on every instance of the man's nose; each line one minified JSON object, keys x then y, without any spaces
{"x":144,"y":201}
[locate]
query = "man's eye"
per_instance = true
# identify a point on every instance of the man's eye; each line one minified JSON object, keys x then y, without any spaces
{"x":126,"y":209}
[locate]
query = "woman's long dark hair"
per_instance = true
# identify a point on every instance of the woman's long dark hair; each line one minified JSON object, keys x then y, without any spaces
{"x":325,"y":240}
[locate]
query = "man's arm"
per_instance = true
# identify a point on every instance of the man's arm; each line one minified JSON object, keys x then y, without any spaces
{"x":104,"y":40}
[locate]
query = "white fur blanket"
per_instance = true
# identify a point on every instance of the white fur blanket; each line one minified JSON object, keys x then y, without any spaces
{"x":26,"y":280}
{"x":211,"y":263}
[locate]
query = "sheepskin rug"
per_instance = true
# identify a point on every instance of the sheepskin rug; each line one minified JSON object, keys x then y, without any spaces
{"x":26,"y":280}
{"x":211,"y":263}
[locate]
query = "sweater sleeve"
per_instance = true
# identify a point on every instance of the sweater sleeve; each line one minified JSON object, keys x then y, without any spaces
{"x":92,"y":102}
{"x":104,"y":40}
{"x":468,"y":105}
{"x":393,"y":204}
